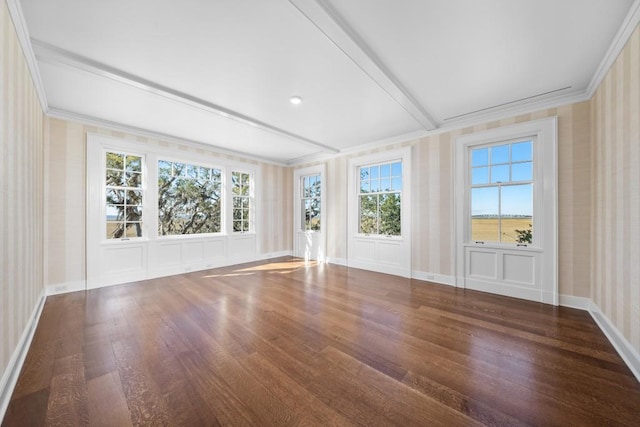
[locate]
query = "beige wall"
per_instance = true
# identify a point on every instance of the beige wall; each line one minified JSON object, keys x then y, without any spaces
{"x":432,"y":198}
{"x":21,"y":192}
{"x":66,"y":190}
{"x":615,"y":260}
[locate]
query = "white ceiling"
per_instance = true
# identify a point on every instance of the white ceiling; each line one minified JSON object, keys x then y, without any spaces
{"x":222,"y":72}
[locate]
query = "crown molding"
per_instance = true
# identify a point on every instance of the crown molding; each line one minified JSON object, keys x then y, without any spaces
{"x":327,"y":20}
{"x":617,"y":44}
{"x":56,"y":56}
{"x":486,"y":116}
{"x":20,"y":25}
{"x":107,"y":124}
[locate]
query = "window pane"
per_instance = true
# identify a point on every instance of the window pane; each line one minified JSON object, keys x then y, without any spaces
{"x":134,"y":229}
{"x":368,"y":214}
{"x":164,"y":170}
{"x":517,"y":213}
{"x":365,"y":186}
{"x":316,"y":187}
{"x":479,"y":157}
{"x":390,"y":214}
{"x":115,"y":212}
{"x":375,"y":185}
{"x":115,"y":197}
{"x":385,"y":170}
{"x":364,"y":173}
{"x":115,"y":178}
{"x":133,"y":213}
{"x":134,"y":179}
{"x":179,"y":169}
{"x":485,"y":214}
{"x":517,"y":200}
{"x":375,"y":172}
{"x":313,"y":214}
{"x":396,"y":169}
{"x":204,"y":173}
{"x":115,"y":161}
{"x":134,"y":164}
{"x":500,"y":154}
{"x":115,"y":230}
{"x":500,"y":173}
{"x":522,"y":151}
{"x":396,"y":184}
{"x":385,"y":184}
{"x":134,"y":197}
{"x":237,"y":226}
{"x":480,"y":175}
{"x":522,"y":171}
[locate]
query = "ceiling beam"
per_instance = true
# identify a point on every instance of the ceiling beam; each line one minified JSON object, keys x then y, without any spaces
{"x":54,"y":55}
{"x":337,"y":30}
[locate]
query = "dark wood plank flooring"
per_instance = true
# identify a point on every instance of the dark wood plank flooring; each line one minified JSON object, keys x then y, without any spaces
{"x":284,"y":343}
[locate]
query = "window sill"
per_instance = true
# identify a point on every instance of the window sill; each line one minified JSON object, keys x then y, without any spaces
{"x":504,"y":246}
{"x":380,"y":237}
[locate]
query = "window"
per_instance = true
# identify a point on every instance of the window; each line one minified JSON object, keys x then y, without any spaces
{"x":189,"y":199}
{"x":124,"y":195}
{"x":380,"y":192}
{"x":502,"y":192}
{"x":310,"y":202}
{"x":241,"y":194}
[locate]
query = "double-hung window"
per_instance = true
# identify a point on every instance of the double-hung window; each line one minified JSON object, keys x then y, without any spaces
{"x":501,"y":190}
{"x":310,"y":202}
{"x":124,"y":195}
{"x":241,"y":195}
{"x":379,"y":199}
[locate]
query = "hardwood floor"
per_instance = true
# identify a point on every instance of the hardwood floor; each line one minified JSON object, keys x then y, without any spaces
{"x":281,"y":343}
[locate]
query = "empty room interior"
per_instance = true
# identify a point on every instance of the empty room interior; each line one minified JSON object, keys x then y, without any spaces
{"x":320,"y":212}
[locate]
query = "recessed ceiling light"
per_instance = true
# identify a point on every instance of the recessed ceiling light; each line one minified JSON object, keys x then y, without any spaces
{"x":295,"y":100}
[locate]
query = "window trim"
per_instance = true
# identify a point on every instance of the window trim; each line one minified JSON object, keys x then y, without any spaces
{"x":367,"y":251}
{"x":301,"y":201}
{"x":252,"y":201}
{"x":546,"y":170}
{"x":103,"y":194}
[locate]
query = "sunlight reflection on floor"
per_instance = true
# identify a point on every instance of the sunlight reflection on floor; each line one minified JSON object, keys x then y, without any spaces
{"x":274,"y":267}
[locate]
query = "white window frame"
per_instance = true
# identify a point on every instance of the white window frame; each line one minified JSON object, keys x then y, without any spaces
{"x":151,"y":254}
{"x":355,"y":238}
{"x":103,"y":193}
{"x":302,"y":202}
{"x":298,"y":174}
{"x":223,"y":194}
{"x":537,"y":193}
{"x":545,"y":206}
{"x":251,"y":197}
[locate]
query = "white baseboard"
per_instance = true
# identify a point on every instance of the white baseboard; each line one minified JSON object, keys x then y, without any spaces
{"x":63,"y":288}
{"x":269,"y":255}
{"x":337,"y":261}
{"x":624,"y":348}
{"x":10,"y":376}
{"x":579,"y":303}
{"x":627,"y":352}
{"x":433,"y":277}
